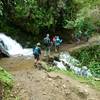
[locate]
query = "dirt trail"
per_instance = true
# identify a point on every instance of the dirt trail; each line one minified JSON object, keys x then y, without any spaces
{"x":74,"y":46}
{"x":40,"y":85}
{"x":34,"y":84}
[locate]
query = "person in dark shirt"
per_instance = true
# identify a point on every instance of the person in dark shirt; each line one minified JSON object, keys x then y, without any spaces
{"x":47,"y":44}
{"x":37,"y":53}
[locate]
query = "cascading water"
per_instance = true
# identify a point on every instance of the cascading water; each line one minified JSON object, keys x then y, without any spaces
{"x":14,"y":48}
{"x":67,"y":60}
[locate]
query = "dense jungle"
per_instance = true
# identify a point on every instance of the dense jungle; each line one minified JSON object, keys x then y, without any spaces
{"x":24,"y":23}
{"x":32,"y":18}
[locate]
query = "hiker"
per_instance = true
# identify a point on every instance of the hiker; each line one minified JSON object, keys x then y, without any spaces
{"x":57,"y":42}
{"x":47,"y":44}
{"x":53,"y":39}
{"x":37,"y":53}
{"x":52,"y":42}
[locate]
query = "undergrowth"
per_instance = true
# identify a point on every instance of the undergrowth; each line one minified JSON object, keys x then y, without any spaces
{"x":90,"y":57}
{"x":7,"y":81}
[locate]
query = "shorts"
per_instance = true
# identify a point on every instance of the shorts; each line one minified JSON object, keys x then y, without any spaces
{"x":57,"y":46}
{"x":36,"y":57}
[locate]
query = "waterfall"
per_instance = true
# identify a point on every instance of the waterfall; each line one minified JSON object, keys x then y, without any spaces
{"x":13,"y":47}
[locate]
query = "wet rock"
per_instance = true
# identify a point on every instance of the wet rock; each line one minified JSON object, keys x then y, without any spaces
{"x":3,"y":50}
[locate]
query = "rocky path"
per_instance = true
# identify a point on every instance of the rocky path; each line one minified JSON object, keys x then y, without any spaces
{"x":40,"y":85}
{"x":33,"y":84}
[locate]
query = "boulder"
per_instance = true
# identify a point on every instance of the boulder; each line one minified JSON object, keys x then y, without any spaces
{"x":3,"y":50}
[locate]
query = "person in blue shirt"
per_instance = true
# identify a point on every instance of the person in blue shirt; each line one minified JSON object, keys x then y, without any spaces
{"x":37,"y":53}
{"x":57,"y":42}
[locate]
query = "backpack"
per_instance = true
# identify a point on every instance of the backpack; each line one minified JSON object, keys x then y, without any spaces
{"x":46,"y":41}
{"x":36,"y":51}
{"x":58,"y":42}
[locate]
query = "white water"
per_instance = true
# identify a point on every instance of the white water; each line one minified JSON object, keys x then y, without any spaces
{"x":14,"y":48}
{"x":59,"y":65}
{"x":73,"y":63}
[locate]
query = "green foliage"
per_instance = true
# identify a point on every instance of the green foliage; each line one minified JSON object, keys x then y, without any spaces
{"x":5,"y":27}
{"x":5,"y":77}
{"x":34,"y":17}
{"x":7,"y":81}
{"x":84,"y":25}
{"x":87,"y":18}
{"x":69,"y":24}
{"x":90,"y":57}
{"x":1,"y":13}
{"x":95,"y":68}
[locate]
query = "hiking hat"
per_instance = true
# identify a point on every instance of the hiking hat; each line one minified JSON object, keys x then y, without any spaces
{"x":47,"y":35}
{"x":38,"y":44}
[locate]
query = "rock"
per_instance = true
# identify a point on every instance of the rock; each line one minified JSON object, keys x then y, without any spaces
{"x":67,"y":92}
{"x":64,"y":86}
{"x":97,"y":79}
{"x":53,"y":76}
{"x":3,"y":51}
{"x":91,"y":99}
{"x":44,"y":93}
{"x":49,"y":79}
{"x":83,"y":92}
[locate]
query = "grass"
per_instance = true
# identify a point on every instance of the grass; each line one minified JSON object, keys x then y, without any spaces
{"x":90,"y":80}
{"x":7,"y":81}
{"x":6,"y":77}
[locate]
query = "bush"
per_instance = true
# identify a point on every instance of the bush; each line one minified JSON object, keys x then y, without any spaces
{"x":90,"y":57}
{"x":83,"y":27}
